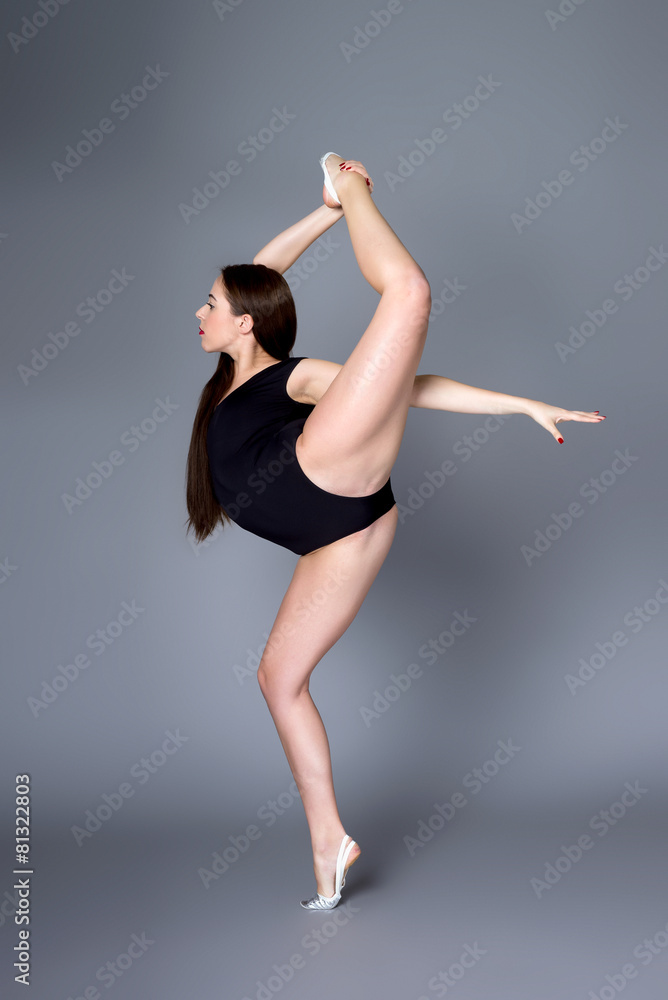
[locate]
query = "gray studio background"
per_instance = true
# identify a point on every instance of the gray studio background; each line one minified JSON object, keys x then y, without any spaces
{"x":182,"y":662}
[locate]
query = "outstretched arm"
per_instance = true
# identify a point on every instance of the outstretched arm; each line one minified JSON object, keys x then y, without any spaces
{"x":435,"y":392}
{"x":281,"y":252}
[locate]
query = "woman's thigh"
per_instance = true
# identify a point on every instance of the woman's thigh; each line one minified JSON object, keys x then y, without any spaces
{"x":325,"y":593}
{"x":351,"y":438}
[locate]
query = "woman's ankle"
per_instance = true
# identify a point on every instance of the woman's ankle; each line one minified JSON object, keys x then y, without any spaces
{"x":327,"y":842}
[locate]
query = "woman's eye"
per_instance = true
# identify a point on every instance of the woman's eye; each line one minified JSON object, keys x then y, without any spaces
{"x":209,"y":305}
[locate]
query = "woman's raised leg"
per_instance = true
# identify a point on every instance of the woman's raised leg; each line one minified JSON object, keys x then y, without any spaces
{"x":351,"y":439}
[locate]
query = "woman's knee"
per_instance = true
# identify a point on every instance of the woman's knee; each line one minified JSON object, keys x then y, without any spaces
{"x":420,"y":297}
{"x":267,"y":682}
{"x":277,"y":688}
{"x":412,"y":285}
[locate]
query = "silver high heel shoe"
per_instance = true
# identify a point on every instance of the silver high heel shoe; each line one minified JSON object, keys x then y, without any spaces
{"x":319,"y":902}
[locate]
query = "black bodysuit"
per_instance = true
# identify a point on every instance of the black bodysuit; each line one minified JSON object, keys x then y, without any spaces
{"x":256,"y":476}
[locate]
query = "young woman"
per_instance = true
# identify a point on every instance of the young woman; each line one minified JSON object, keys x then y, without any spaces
{"x":299,"y":451}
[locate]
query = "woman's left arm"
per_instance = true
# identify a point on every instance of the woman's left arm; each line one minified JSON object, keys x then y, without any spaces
{"x":435,"y":392}
{"x":281,"y":252}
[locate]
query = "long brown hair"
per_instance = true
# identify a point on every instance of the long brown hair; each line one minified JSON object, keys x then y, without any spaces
{"x":265,"y":295}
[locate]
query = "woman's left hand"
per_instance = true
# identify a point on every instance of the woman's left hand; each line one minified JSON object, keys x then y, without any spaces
{"x":549,"y":416}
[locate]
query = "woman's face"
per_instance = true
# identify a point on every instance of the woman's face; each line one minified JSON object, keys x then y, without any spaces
{"x":219,"y":328}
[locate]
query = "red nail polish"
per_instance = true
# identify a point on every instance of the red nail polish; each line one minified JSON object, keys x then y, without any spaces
{"x":560,"y":440}
{"x":368,"y":182}
{"x":597,"y":411}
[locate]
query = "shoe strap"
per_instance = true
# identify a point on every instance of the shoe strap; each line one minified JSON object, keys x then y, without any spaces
{"x":328,"y":180}
{"x":344,"y":853}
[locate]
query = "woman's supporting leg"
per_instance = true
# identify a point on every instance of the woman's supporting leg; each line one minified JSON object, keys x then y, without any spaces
{"x":351,"y":438}
{"x":327,"y":589}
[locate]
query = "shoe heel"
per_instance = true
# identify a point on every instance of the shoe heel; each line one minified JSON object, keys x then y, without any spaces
{"x":319,"y":902}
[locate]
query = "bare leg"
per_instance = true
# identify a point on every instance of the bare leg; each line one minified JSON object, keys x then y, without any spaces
{"x":295,"y":646}
{"x":381,"y":256}
{"x":353,"y":414}
{"x":351,"y":439}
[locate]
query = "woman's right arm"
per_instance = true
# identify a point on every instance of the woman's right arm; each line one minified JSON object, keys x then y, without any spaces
{"x":282,"y":252}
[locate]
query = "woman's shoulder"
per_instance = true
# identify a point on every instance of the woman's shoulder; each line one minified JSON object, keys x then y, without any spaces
{"x":310,"y":378}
